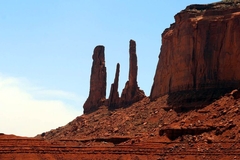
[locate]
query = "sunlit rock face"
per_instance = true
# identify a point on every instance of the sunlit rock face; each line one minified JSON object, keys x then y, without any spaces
{"x":200,"y":53}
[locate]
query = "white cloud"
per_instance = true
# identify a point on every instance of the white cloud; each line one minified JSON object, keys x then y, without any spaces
{"x":57,"y":93}
{"x":23,"y":113}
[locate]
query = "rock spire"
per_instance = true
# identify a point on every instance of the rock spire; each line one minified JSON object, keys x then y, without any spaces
{"x":114,"y":95}
{"x":131,"y":93}
{"x":98,"y":76}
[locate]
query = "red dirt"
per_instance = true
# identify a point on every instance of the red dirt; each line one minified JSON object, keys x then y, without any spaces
{"x":137,"y":136}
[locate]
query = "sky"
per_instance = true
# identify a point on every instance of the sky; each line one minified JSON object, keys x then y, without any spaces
{"x":46,"y":49}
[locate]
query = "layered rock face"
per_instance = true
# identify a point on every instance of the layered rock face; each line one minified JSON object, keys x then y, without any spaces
{"x":97,"y":93}
{"x":200,"y":53}
{"x":131,"y":93}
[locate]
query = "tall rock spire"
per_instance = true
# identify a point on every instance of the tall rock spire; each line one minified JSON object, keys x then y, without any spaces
{"x":133,"y":68}
{"x":114,"y":95}
{"x":97,"y":94}
{"x":131,"y":93}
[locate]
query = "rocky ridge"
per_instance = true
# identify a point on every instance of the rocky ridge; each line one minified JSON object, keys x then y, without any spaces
{"x":146,"y":130}
{"x":210,"y":132}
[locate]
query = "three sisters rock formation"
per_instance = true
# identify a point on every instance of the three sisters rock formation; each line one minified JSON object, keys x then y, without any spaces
{"x":199,"y":60}
{"x":97,"y":95}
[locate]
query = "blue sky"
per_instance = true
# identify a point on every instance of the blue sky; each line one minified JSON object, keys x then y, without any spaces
{"x":46,"y":54}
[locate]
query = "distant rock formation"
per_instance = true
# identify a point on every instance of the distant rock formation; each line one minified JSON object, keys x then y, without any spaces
{"x":131,"y":93}
{"x":114,"y":95}
{"x":200,"y":54}
{"x":97,"y":94}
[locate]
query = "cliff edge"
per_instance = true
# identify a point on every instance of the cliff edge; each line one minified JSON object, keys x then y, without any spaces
{"x":200,"y":54}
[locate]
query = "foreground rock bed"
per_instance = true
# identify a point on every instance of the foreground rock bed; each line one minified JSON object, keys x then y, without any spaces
{"x":37,"y":149}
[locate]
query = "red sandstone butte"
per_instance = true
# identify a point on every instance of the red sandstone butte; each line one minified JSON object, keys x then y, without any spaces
{"x":200,"y":52}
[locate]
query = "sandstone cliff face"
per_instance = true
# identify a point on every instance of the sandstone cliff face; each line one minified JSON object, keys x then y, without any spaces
{"x":200,"y":52}
{"x":97,"y":92}
{"x":131,"y":93}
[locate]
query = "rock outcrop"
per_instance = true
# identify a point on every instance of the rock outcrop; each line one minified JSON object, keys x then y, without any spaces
{"x":97,"y":94}
{"x":114,"y":95}
{"x":200,"y":54}
{"x":174,"y":133}
{"x":131,"y":93}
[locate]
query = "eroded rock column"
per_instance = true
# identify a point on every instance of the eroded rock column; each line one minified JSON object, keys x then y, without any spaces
{"x":131,"y":93}
{"x":114,"y":95}
{"x":97,"y":93}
